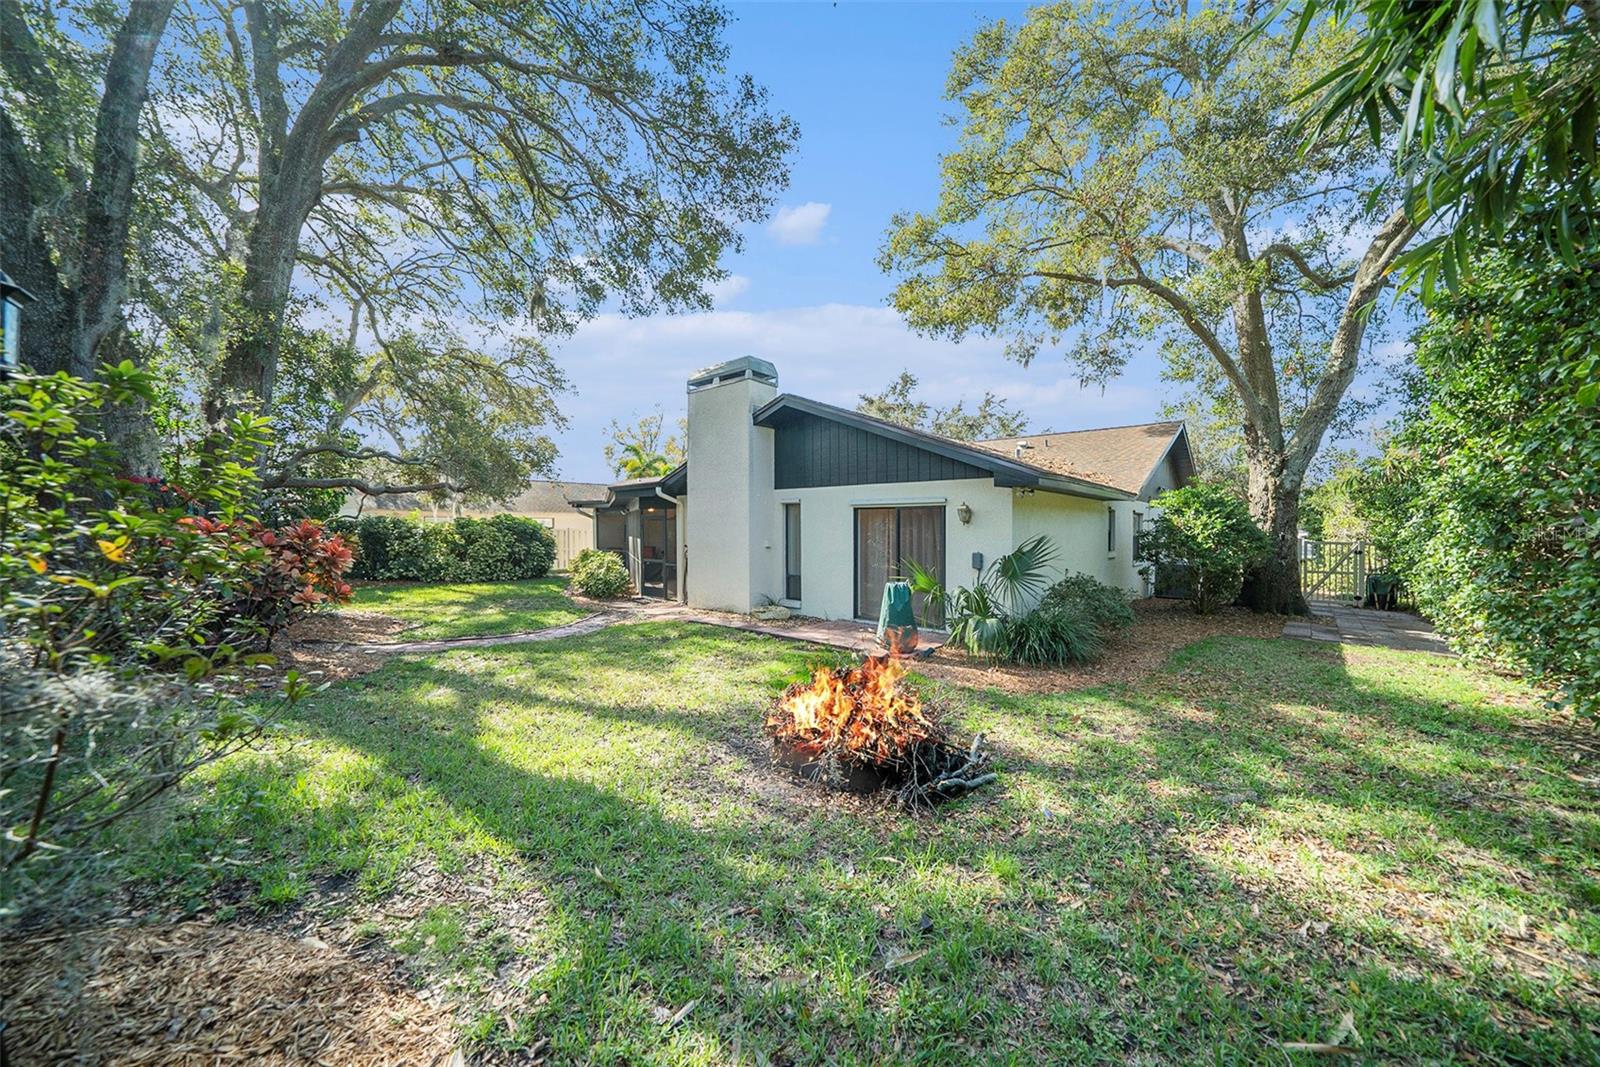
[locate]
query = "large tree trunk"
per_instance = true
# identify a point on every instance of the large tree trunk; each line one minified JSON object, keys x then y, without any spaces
{"x":1274,"y":586}
{"x":25,"y":256}
{"x":249,"y":370}
{"x":103,"y":279}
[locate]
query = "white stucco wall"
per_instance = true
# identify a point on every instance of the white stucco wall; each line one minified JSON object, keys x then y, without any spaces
{"x":1164,"y":477}
{"x":827,"y":535}
{"x":1078,"y":528}
{"x":730,"y":477}
{"x":1001,"y":519}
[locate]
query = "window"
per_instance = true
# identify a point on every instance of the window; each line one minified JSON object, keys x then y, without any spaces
{"x":1138,"y":528}
{"x":791,"y":551}
{"x":1111,"y":529}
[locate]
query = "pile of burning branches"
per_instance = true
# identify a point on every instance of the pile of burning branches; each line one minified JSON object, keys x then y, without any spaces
{"x":861,"y":728}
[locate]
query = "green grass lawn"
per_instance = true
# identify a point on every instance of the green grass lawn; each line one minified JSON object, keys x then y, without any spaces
{"x":470,"y":609}
{"x":578,"y":839}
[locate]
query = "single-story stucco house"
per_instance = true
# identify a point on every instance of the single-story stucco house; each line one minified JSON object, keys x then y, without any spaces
{"x":792,"y":501}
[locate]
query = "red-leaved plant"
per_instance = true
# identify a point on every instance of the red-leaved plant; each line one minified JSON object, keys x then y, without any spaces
{"x":293,"y":570}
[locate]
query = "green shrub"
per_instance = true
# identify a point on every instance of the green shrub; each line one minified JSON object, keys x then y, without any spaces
{"x":533,"y":545}
{"x":599,"y":574}
{"x":977,"y":615}
{"x":1488,"y":498}
{"x":1107,"y":607}
{"x":1204,"y":531}
{"x":487,"y":552}
{"x":123,"y":600}
{"x":501,"y":548}
{"x":1052,"y":636}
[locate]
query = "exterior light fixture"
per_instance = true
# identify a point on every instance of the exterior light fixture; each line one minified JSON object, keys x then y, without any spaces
{"x":12,"y":297}
{"x":964,"y":513}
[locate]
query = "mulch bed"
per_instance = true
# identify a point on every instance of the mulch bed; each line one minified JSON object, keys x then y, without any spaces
{"x":197,"y":993}
{"x":327,"y":647}
{"x":1161,"y":628}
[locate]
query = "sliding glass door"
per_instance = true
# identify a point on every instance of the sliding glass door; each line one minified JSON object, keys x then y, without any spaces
{"x":885,"y":539}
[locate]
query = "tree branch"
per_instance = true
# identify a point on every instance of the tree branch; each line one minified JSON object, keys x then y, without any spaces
{"x":103,"y":276}
{"x":347,"y":453}
{"x":362,"y":486}
{"x":1345,"y":350}
{"x":1284,"y":250}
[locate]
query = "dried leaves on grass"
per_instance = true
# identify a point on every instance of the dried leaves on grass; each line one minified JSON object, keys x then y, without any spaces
{"x":1161,"y":628}
{"x":196,"y":993}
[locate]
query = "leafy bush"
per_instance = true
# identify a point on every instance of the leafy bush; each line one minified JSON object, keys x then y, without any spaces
{"x":1488,"y":498}
{"x":122,"y":599}
{"x":1206,"y":532}
{"x":599,"y":574}
{"x":1107,"y":607}
{"x":992,"y":618}
{"x":497,"y":549}
{"x":303,"y":567}
{"x":976,"y":616}
{"x":1053,"y":636}
{"x":533,"y":545}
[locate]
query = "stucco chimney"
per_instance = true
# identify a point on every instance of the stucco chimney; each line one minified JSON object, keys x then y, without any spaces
{"x":729,"y":527}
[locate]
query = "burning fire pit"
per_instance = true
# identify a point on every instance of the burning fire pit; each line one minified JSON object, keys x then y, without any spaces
{"x":860,"y":728}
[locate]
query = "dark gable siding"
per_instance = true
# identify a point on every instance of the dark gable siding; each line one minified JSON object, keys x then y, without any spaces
{"x":810,"y":451}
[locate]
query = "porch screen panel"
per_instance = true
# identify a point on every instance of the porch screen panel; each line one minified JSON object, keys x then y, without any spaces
{"x":921,"y":539}
{"x":875,"y":557}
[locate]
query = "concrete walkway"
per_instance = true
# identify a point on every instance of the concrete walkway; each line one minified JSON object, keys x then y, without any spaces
{"x":1339,"y":620}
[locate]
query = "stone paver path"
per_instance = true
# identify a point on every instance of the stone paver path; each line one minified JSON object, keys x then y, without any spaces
{"x":586,"y":625}
{"x":850,"y":636}
{"x":835,"y":633}
{"x":1344,"y":622}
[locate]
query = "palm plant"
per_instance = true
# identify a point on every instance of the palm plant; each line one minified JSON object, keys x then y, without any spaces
{"x":636,"y":461}
{"x":977,"y":615}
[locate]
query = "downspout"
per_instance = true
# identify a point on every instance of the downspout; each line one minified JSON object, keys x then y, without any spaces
{"x":683,"y":576}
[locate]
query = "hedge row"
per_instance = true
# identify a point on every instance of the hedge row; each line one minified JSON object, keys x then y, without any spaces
{"x":497,"y":549}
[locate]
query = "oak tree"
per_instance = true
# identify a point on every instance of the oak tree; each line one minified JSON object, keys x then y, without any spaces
{"x":1123,"y":178}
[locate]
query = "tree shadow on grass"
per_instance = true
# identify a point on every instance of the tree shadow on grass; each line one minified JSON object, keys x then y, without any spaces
{"x":1072,"y":916}
{"x":1280,"y":770}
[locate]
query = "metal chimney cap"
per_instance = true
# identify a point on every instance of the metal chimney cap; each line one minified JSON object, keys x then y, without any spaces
{"x":734,"y":370}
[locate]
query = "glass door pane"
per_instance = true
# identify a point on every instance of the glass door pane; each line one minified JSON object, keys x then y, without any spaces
{"x":875,"y":556}
{"x":921,"y":540}
{"x":791,"y":551}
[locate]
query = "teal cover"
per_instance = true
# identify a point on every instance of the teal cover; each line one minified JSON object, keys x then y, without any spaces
{"x":897,"y":625}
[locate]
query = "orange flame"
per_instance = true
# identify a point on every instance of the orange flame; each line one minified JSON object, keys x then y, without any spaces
{"x":861,"y":711}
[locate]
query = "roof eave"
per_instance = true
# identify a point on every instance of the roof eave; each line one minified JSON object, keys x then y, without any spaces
{"x":1178,"y":435}
{"x":1005,"y":472}
{"x":1074,"y":487}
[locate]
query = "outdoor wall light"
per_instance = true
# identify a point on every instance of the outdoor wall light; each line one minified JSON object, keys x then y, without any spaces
{"x":964,"y":513}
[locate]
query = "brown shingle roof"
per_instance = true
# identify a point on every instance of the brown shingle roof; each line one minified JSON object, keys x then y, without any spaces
{"x":1122,"y":457}
{"x":542,"y":498}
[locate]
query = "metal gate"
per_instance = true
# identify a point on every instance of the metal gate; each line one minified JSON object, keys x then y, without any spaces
{"x":1335,"y":570}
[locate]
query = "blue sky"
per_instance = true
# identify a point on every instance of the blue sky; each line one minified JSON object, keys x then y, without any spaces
{"x":865,"y":81}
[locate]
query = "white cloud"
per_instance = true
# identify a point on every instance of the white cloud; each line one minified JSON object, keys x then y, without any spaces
{"x":728,"y":289}
{"x":830,"y":352}
{"x":800,"y":225}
